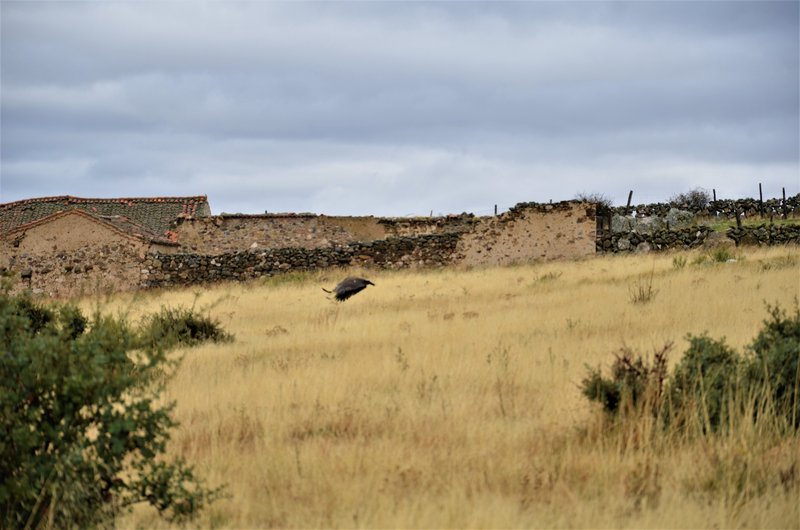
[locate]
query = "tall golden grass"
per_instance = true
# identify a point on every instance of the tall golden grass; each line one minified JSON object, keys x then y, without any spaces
{"x":450,"y":398}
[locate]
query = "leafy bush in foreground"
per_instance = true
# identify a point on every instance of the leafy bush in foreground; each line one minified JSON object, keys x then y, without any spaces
{"x":712,"y":382}
{"x":81,"y":433}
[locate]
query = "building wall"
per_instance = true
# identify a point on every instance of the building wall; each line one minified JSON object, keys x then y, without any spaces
{"x":66,"y":234}
{"x":531,"y":232}
{"x":73,"y":255}
{"x":219,"y":234}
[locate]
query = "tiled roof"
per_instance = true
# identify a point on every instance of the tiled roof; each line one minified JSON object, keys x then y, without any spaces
{"x":156,"y":214}
{"x":116,"y":223}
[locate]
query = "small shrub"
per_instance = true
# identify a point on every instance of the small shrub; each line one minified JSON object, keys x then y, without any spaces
{"x":602,"y":201}
{"x":696,"y":199}
{"x":549,"y":277}
{"x":642,"y":291}
{"x":774,"y":363}
{"x":721,"y":255}
{"x":678,"y":262}
{"x":703,"y":382}
{"x":181,"y":326}
{"x":634,"y":385}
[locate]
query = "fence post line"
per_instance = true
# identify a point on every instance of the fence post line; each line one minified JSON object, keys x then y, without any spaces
{"x":760,"y":201}
{"x":628,"y":206}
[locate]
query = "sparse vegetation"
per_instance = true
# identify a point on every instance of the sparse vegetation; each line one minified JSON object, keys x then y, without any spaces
{"x":678,"y":262}
{"x":641,"y":291}
{"x":602,"y":201}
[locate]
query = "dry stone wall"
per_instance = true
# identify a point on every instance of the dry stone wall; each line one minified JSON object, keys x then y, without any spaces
{"x":728,"y":209}
{"x":166,"y":270}
{"x":696,"y":236}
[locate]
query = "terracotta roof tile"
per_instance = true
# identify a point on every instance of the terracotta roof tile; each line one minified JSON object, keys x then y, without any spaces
{"x":156,"y":214}
{"x":117,"y":223}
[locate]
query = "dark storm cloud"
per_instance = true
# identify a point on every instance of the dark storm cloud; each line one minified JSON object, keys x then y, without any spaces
{"x":398,"y":108}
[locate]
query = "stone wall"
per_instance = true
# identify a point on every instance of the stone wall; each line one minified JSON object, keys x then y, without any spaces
{"x":166,"y":270}
{"x":765,"y":234}
{"x":696,"y":236}
{"x":530,"y":232}
{"x":416,"y":226}
{"x":94,"y":268}
{"x":728,"y":209}
{"x":71,"y":256}
{"x":239,"y":247}
{"x":228,"y":233}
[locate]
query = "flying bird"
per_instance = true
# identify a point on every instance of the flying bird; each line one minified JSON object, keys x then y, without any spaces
{"x":348,"y":287}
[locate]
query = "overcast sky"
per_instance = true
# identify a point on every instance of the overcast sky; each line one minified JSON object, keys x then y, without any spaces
{"x":398,"y":108}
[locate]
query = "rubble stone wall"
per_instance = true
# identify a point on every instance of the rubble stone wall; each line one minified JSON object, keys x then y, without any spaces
{"x":530,"y":232}
{"x":696,"y":236}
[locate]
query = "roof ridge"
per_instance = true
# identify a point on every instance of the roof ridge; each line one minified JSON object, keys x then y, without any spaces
{"x":145,"y":235}
{"x":72,"y":198}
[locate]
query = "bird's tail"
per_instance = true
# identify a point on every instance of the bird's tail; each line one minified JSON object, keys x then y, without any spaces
{"x":327,"y":291}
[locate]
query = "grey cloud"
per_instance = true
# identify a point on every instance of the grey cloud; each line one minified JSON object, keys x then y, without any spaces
{"x":349,"y":107}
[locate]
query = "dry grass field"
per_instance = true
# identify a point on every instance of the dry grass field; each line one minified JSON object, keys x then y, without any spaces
{"x":451,"y":399}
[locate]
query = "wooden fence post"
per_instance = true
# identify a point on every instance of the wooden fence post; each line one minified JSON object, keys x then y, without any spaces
{"x":628,"y":206}
{"x":783,"y":204}
{"x":760,"y":201}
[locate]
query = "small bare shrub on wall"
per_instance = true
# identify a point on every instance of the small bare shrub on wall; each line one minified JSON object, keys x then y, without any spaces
{"x":695,"y":199}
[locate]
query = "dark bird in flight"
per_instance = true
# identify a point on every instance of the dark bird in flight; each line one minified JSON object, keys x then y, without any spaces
{"x":348,"y":287}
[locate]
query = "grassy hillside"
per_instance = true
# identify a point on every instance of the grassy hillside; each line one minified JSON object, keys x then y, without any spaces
{"x":451,"y":398}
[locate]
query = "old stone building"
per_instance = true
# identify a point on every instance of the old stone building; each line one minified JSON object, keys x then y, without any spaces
{"x":65,"y":246}
{"x":69,"y":245}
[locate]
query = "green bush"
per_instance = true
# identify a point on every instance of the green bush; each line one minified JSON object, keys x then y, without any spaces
{"x":82,"y":434}
{"x":703,"y":383}
{"x":181,"y":326}
{"x":774,"y":364}
{"x":712,"y":382}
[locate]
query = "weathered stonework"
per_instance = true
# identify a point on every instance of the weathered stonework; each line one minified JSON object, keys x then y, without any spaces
{"x":75,"y":252}
{"x":434,"y":250}
{"x":696,"y":236}
{"x":530,"y":232}
{"x":727,"y":208}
